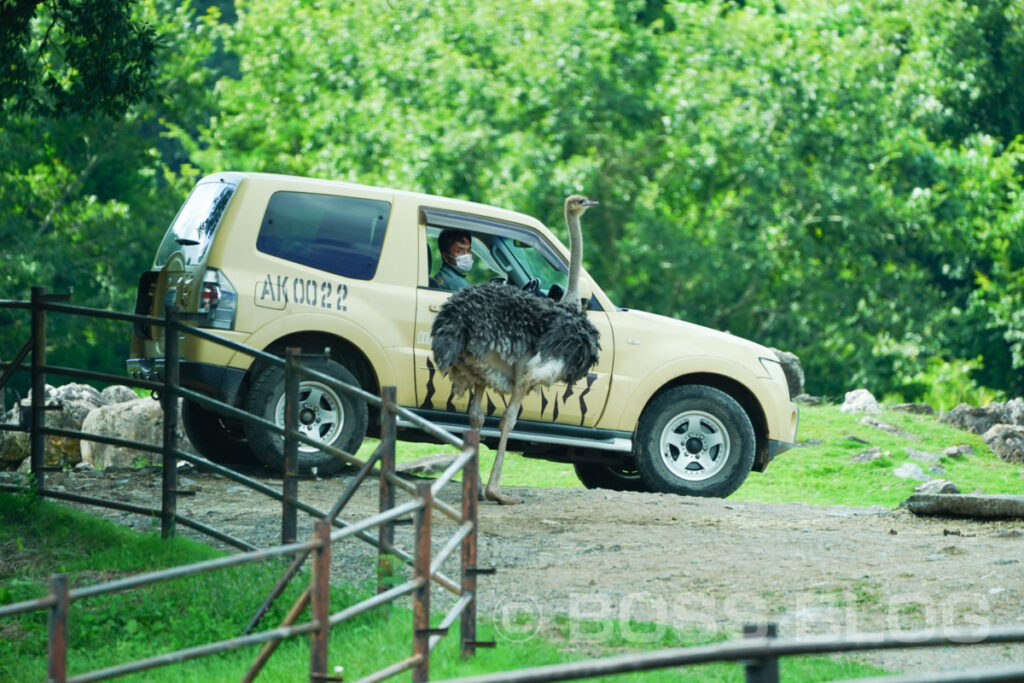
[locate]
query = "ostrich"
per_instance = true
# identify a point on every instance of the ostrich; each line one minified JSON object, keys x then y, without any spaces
{"x":496,"y":336}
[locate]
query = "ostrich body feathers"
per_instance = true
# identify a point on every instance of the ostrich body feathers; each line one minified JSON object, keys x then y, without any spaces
{"x":497,"y":335}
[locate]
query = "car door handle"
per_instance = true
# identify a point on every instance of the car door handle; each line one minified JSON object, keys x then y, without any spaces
{"x":434,"y":308}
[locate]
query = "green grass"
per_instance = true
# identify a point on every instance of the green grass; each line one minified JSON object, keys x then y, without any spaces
{"x":38,"y":538}
{"x":820,"y":473}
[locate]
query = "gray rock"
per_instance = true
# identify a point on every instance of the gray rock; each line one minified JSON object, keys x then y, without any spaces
{"x":117,"y":393}
{"x":868,"y":456}
{"x":808,"y":400}
{"x":937,"y":486}
{"x":972,"y":419}
{"x":430,"y":465}
{"x":909,"y":470}
{"x":916,"y":408}
{"x":793,"y":370}
{"x":860,"y":401}
{"x":1006,"y":441}
{"x":140,"y":420}
{"x":922,"y":456}
{"x":70,"y":404}
{"x":958,"y":451}
{"x":887,"y":428}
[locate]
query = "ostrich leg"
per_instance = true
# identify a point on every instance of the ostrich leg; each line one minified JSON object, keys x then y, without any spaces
{"x":475,"y":410}
{"x":508,"y":421}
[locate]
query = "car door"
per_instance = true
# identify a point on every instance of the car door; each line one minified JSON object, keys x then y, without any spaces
{"x":518,"y":254}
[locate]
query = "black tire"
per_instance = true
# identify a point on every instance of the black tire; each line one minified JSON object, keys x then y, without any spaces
{"x":597,"y":476}
{"x":326,"y":414}
{"x":215,"y":436}
{"x":695,"y":440}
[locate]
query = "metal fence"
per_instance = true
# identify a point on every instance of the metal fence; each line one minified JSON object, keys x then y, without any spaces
{"x":426,"y":569}
{"x":759,"y":651}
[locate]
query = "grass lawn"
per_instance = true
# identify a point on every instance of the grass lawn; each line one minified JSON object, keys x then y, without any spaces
{"x":38,"y":538}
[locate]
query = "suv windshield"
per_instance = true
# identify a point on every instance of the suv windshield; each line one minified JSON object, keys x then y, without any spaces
{"x":192,"y":230}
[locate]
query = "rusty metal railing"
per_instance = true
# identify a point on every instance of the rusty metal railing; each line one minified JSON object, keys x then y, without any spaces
{"x":426,"y":570}
{"x":759,"y":651}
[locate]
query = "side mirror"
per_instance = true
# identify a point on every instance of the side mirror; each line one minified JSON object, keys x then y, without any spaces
{"x":586,"y":290}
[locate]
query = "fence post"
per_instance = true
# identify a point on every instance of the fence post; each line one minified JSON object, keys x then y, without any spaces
{"x":763,"y":669}
{"x":290,"y":481}
{"x":421,"y":596}
{"x":57,"y":649}
{"x":386,"y":531}
{"x":320,"y":598}
{"x":172,"y":375}
{"x":470,"y":504}
{"x":37,"y":422}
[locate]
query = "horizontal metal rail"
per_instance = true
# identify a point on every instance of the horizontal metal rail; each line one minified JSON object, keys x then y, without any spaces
{"x":376,"y":601}
{"x":393,"y":670}
{"x":450,"y":471}
{"x":279,"y":633}
{"x":752,"y":649}
{"x":101,"y":377}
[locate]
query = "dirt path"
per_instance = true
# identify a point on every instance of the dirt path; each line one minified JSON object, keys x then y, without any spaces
{"x":707,"y":564}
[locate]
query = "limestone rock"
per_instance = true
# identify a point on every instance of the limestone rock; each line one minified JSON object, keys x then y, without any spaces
{"x":1006,"y":441}
{"x":915,"y":408}
{"x":868,"y":456}
{"x":922,"y":456}
{"x":860,"y":401}
{"x":909,"y":470}
{"x":139,"y":420}
{"x":980,"y":420}
{"x":430,"y":465}
{"x":888,"y":428}
{"x":117,"y":393}
{"x":958,"y":451}
{"x":937,"y":486}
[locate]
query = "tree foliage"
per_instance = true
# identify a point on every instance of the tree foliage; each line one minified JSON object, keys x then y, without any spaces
{"x":840,"y":180}
{"x":67,"y":57}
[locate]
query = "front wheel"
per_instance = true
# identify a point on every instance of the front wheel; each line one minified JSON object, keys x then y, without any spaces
{"x":326,"y":414}
{"x":695,"y":440}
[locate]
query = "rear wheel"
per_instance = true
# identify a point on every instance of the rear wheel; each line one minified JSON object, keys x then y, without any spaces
{"x":696,"y":441}
{"x":326,"y":414}
{"x":215,"y":436}
{"x":599,"y":476}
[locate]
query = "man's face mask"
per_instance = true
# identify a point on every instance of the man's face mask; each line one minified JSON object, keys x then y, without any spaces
{"x":463,"y":263}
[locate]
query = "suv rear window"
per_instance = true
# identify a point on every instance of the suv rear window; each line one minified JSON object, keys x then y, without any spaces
{"x":340,"y":235}
{"x":192,"y":230}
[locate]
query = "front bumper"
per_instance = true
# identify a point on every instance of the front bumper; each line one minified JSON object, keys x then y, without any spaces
{"x":217,"y":381}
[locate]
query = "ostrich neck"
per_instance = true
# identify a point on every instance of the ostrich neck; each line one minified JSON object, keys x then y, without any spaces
{"x":572,"y":286}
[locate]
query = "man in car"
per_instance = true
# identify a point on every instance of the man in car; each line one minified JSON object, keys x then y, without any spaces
{"x":457,"y":259}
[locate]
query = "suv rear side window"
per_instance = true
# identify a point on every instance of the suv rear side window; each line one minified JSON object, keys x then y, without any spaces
{"x":192,"y":230}
{"x":340,"y":235}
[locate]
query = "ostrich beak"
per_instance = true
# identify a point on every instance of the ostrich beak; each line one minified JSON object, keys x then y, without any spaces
{"x":590,"y":202}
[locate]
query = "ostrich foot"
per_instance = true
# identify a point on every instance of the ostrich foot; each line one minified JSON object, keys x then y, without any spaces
{"x":500,"y":498}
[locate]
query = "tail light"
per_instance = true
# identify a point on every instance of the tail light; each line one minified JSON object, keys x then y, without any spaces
{"x":218,"y":301}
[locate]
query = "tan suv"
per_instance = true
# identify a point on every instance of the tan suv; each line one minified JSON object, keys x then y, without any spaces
{"x":275,"y":261}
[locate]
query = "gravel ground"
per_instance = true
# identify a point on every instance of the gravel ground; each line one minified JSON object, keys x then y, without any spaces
{"x":700,"y":563}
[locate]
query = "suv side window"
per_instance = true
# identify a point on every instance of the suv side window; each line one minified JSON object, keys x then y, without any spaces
{"x":340,"y":235}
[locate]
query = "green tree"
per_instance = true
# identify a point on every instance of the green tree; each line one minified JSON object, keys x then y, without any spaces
{"x":68,"y":57}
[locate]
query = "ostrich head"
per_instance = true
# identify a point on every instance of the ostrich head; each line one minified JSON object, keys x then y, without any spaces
{"x":576,"y":204}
